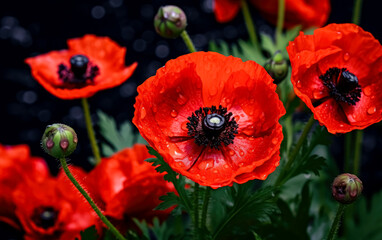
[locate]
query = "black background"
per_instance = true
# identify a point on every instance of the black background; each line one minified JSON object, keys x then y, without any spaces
{"x":29,"y":28}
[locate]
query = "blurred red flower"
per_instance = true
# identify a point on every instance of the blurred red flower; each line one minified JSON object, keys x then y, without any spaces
{"x":307,"y":13}
{"x":127,"y":187}
{"x":213,"y":118}
{"x":337,"y":73}
{"x":89,"y":65}
{"x":16,"y":167}
{"x":53,"y":209}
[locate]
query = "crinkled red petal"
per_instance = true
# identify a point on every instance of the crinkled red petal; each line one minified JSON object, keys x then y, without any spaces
{"x":203,"y":80}
{"x":341,"y":46}
{"x":308,"y":13}
{"x":226,"y":10}
{"x":101,"y":51}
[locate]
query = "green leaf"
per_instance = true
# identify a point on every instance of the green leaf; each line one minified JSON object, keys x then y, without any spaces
{"x":89,"y":234}
{"x":171,"y":176}
{"x":169,"y":200}
{"x":116,"y":139}
{"x":268,"y":44}
{"x":143,"y":227}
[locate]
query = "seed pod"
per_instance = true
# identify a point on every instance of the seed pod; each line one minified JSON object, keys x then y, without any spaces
{"x":277,"y":67}
{"x":59,"y":140}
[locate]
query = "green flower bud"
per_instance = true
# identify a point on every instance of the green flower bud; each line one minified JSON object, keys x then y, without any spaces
{"x":59,"y":140}
{"x":170,"y":21}
{"x":277,"y":67}
{"x":346,"y":188}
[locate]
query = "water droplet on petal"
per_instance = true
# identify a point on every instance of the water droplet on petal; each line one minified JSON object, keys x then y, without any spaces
{"x":339,"y":35}
{"x":162,"y":90}
{"x":174,"y":113}
{"x":341,"y":125}
{"x":215,"y":171}
{"x":184,"y":126}
{"x":231,"y":152}
{"x":181,"y":99}
{"x":367,"y":91}
{"x":346,"y":56}
{"x":228,"y":70}
{"x":298,"y":56}
{"x":206,"y":164}
{"x":241,"y":153}
{"x":371,"y":110}
{"x":275,"y":140}
{"x":143,"y":113}
{"x":225,"y":166}
{"x":317,"y":94}
{"x":298,"y":83}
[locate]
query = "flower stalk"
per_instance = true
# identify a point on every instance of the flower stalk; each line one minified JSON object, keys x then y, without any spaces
{"x":187,"y":40}
{"x":249,"y":22}
{"x":280,"y":22}
{"x":196,"y":211}
{"x":115,"y":232}
{"x":357,"y":12}
{"x":336,"y":223}
{"x":206,"y":200}
{"x":89,"y":127}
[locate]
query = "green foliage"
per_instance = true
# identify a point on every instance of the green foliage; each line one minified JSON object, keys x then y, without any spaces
{"x":89,"y":234}
{"x":367,"y":220}
{"x":170,"y":199}
{"x":242,"y":49}
{"x":117,"y":139}
{"x":238,"y":210}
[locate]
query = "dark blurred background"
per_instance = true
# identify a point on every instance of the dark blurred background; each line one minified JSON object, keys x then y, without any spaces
{"x":29,"y":28}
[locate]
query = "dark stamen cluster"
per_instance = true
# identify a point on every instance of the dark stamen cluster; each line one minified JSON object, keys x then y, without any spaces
{"x":80,"y":73}
{"x":45,"y":217}
{"x":343,"y":85}
{"x":212,"y":126}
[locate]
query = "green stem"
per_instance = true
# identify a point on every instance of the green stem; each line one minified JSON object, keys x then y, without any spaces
{"x":280,"y":22}
{"x":89,"y":127}
{"x":206,"y":201}
{"x":357,"y":11}
{"x":296,"y":150}
{"x":116,"y":233}
{"x":249,"y":23}
{"x":187,"y":40}
{"x":336,"y":222}
{"x":196,"y":211}
{"x":348,"y":148}
{"x":357,"y":151}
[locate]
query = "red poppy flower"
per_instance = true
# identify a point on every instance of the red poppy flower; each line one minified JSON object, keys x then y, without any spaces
{"x":89,"y":65}
{"x":307,"y":13}
{"x":124,"y":185}
{"x":213,"y":118}
{"x":337,"y":72}
{"x":53,"y":209}
{"x":16,"y":167}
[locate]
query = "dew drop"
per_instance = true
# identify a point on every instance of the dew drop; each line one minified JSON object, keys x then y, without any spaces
{"x":184,"y":126}
{"x":341,"y":125}
{"x":231,"y":152}
{"x":252,"y":150}
{"x":275,"y":141}
{"x":207,"y":164}
{"x":298,"y":56}
{"x":143,"y":113}
{"x":181,"y":99}
{"x":339,"y":35}
{"x":215,"y":171}
{"x":346,"y":56}
{"x":228,"y":70}
{"x":367,"y":91}
{"x":371,"y":110}
{"x":204,"y":177}
{"x":241,"y":153}
{"x":162,"y":90}
{"x":213,"y":90}
{"x":252,"y":139}
{"x":241,"y":164}
{"x":226,"y":166}
{"x":317,"y":94}
{"x":174,"y":113}
{"x":298,"y":83}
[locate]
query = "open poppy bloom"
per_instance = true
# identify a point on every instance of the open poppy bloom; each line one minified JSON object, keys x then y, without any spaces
{"x":213,"y":118}
{"x":53,"y":209}
{"x":126,"y":187}
{"x":307,"y":13}
{"x":16,"y":167}
{"x":89,"y":65}
{"x":337,"y":72}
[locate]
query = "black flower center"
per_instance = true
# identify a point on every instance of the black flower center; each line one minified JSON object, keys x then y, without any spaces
{"x":81,"y":71}
{"x":45,"y":217}
{"x":343,"y":85}
{"x":212,"y":127}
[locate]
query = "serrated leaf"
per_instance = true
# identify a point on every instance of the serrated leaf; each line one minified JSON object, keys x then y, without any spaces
{"x":142,"y":225}
{"x":89,"y":234}
{"x":268,"y":44}
{"x":168,"y":201}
